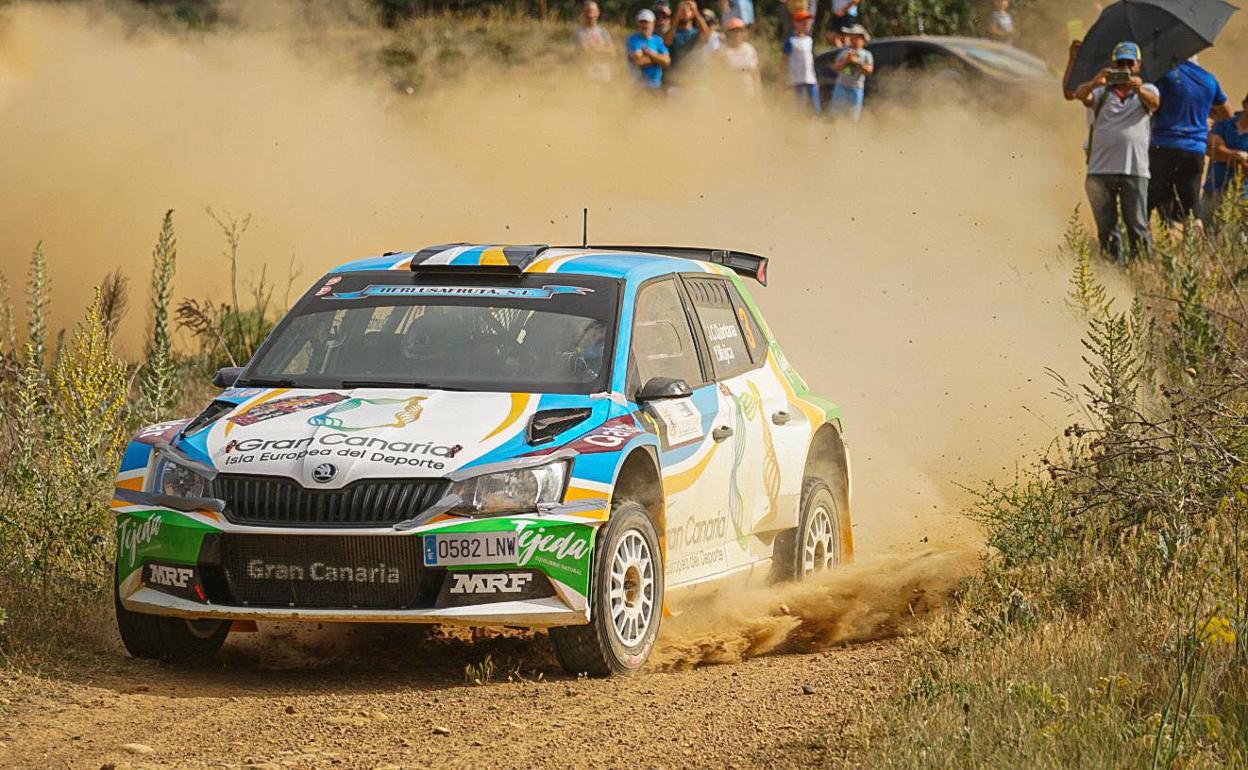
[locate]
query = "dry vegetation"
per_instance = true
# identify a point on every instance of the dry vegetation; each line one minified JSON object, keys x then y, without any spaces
{"x":1109,"y":627}
{"x":67,"y":406}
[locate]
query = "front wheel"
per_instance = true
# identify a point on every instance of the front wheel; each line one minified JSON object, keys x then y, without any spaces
{"x":626,"y":599}
{"x":176,"y":640}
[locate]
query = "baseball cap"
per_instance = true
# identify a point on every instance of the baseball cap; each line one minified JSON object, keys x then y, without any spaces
{"x":1126,"y":50}
{"x":709,"y":15}
{"x":645,"y":14}
{"x":802,"y":16}
{"x":663,"y":7}
{"x":856,"y":29}
{"x":736,"y":23}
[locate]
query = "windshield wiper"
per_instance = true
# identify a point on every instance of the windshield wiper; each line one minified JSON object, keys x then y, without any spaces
{"x":396,"y":384}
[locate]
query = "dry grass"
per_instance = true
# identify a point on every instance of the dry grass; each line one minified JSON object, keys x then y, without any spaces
{"x":1109,"y":627}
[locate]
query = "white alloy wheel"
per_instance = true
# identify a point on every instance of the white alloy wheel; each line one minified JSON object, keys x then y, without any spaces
{"x":820,"y":541}
{"x":632,"y":588}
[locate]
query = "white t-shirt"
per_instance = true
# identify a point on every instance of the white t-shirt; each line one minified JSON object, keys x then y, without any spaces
{"x":742,"y":62}
{"x":1122,"y":133}
{"x":801,"y":52}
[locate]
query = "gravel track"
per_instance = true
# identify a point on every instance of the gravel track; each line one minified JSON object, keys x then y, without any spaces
{"x":397,"y":698}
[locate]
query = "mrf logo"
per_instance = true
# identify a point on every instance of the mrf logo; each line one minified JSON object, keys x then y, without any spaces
{"x":168,"y":575}
{"x":505,"y":583}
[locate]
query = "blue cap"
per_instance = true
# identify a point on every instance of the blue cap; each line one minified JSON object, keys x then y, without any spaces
{"x":1126,"y":51}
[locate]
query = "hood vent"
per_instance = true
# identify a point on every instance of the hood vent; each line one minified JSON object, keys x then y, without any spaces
{"x":548,"y":423}
{"x":215,"y":411}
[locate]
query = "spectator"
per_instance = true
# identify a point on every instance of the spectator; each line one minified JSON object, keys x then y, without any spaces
{"x":741,"y":58}
{"x":647,"y":53}
{"x":1228,"y":149}
{"x":844,"y":13}
{"x":838,"y":41}
{"x":663,"y":21}
{"x":714,"y":38}
{"x":853,"y":65}
{"x":799,"y":50}
{"x":1190,"y":96}
{"x":1118,"y":134}
{"x":688,"y":30}
{"x":1001,"y":23}
{"x":737,"y":9}
{"x":594,"y":43}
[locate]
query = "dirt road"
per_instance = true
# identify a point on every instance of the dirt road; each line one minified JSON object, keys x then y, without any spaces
{"x":374,"y":698}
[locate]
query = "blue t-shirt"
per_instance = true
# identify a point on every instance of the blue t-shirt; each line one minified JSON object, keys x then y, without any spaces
{"x":652,"y":74}
{"x":1221,"y":174}
{"x":1188,"y":93}
{"x":683,"y":40}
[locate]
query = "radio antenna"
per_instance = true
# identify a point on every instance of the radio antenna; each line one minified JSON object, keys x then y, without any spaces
{"x":585,"y":228}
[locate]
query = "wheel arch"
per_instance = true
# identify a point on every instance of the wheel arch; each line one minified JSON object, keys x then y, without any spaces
{"x":827,"y":458}
{"x":639,"y":479}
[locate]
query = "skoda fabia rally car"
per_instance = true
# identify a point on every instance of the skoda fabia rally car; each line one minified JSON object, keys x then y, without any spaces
{"x":561,"y":438}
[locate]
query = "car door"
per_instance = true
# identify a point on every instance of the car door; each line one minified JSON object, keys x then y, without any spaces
{"x":693,"y":462}
{"x":769,"y":435}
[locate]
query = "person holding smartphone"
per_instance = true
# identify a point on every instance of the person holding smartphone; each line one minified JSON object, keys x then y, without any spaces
{"x":1120,"y":106}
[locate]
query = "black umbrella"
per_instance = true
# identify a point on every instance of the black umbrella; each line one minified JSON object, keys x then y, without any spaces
{"x":1167,"y":31}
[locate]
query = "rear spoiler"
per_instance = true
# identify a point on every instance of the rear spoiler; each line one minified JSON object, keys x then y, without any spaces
{"x":740,"y":262}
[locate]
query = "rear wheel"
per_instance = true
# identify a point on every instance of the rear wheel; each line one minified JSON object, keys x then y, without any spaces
{"x":177,"y":640}
{"x":816,"y":544}
{"x":626,"y":599}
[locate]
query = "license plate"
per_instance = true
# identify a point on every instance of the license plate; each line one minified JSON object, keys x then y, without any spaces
{"x":470,"y":548}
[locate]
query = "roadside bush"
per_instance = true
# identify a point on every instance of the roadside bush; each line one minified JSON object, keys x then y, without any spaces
{"x":63,"y":431}
{"x":1109,"y":627}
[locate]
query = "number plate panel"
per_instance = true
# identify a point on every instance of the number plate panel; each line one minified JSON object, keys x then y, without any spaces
{"x":469,"y":548}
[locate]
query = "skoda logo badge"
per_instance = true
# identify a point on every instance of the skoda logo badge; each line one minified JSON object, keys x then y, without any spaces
{"x":324,"y":473}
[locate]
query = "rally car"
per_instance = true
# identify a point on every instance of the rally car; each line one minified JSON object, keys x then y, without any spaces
{"x":559,"y":438}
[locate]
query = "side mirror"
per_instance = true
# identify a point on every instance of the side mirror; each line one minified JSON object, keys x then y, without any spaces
{"x":225,"y":378}
{"x":659,"y":388}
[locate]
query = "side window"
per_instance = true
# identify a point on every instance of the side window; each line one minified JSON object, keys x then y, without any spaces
{"x":662,"y":344}
{"x":721,"y":328}
{"x":755,"y":340}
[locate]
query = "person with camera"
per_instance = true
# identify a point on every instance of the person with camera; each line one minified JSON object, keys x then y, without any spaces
{"x":1120,"y":107}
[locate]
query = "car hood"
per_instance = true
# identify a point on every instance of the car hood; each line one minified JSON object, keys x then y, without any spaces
{"x":329,"y":438}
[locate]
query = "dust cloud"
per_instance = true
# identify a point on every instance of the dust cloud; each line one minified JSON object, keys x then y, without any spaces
{"x":879,"y":598}
{"x":915,"y":275}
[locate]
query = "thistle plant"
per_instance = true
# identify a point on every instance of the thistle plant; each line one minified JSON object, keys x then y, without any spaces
{"x":1087,"y":294}
{"x":158,"y":383}
{"x":37,"y":303}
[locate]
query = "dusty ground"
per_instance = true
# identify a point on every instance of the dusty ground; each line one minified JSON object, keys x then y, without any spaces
{"x":374,"y":698}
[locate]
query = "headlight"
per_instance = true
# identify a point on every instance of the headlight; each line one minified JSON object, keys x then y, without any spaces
{"x":518,"y":491}
{"x":170,"y":478}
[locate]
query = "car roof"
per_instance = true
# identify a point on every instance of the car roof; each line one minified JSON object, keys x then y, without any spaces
{"x":610,"y":262}
{"x":939,"y":40}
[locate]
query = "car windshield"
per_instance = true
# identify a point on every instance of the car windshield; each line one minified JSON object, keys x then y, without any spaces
{"x":536,"y":334}
{"x":1004,"y":59}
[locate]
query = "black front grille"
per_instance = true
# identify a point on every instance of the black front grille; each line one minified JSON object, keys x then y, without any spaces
{"x":275,"y":501}
{"x":322,"y":572}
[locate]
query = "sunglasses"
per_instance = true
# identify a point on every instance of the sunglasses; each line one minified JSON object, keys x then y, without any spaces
{"x":1124,"y":64}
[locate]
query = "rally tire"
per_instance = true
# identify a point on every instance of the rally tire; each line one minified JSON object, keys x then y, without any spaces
{"x":624,"y":613}
{"x":815,"y":544}
{"x":176,"y":640}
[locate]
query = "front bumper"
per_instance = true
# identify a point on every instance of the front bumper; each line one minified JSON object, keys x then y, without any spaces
{"x":539,"y":613}
{"x":180,"y":564}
